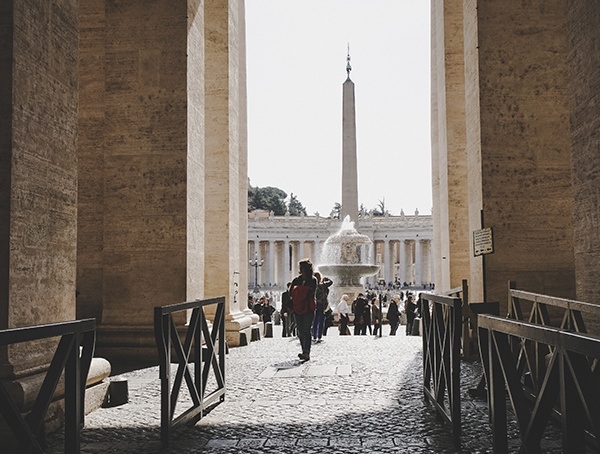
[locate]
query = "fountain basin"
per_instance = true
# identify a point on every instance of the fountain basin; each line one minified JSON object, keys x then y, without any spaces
{"x":347,"y":275}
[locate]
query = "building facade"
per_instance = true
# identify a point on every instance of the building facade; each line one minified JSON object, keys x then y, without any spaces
{"x":402,"y":246}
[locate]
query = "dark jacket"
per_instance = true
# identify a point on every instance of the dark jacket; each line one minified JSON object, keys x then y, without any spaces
{"x":393,"y":314}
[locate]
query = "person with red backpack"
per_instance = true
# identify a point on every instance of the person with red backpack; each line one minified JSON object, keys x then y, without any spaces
{"x":302,"y":291}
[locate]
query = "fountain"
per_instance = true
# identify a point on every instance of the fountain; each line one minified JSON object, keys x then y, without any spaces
{"x":342,"y":261}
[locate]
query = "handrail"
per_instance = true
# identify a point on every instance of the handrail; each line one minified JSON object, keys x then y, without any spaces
{"x":204,"y":347}
{"x":73,"y":356}
{"x":568,"y":382}
{"x":442,"y":321}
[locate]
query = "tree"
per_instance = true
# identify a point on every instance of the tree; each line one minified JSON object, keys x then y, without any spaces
{"x":295,"y":207}
{"x":267,"y":198}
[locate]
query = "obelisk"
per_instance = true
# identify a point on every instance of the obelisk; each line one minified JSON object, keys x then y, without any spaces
{"x":349,"y":165}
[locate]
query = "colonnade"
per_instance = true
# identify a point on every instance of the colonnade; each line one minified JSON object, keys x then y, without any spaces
{"x":274,"y":262}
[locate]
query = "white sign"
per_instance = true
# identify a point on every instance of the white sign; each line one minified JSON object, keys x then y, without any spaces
{"x":483,"y":242}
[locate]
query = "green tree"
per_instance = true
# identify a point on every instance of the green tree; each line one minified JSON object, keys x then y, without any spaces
{"x":295,"y":207}
{"x":267,"y":198}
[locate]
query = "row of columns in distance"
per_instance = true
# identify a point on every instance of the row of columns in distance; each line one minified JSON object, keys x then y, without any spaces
{"x":274,"y":262}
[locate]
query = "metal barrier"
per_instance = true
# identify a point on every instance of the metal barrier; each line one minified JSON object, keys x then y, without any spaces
{"x":203,"y":348}
{"x":442,"y":323}
{"x":531,"y":356}
{"x":73,"y":356}
{"x":568,"y":382}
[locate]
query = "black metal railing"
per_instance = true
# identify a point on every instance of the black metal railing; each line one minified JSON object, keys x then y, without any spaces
{"x":442,"y":324}
{"x":73,"y":356}
{"x":548,"y":311}
{"x":568,"y":389}
{"x":203,"y":348}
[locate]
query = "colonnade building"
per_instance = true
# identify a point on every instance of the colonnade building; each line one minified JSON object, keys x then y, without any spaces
{"x":402,"y":246}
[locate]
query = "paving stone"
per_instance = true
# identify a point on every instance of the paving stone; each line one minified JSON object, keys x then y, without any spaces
{"x":373,"y":402}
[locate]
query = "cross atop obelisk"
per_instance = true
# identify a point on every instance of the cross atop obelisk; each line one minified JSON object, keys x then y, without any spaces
{"x":349,"y":164}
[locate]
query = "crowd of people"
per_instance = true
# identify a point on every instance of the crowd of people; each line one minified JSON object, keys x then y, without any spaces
{"x":306,"y":313}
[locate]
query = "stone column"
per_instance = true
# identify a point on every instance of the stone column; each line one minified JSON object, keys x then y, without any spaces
{"x":301,"y":252}
{"x":286,"y":261}
{"x":386,"y":260}
{"x":418,"y":262}
{"x":225,"y":155}
{"x":402,"y":272}
{"x":271,"y":262}
{"x":38,"y":178}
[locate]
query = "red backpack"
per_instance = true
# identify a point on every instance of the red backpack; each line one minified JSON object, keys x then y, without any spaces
{"x":303,"y":299}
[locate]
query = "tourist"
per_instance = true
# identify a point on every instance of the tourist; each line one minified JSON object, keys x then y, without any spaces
{"x":257,"y":308}
{"x":321,"y":295}
{"x":393,"y":315}
{"x":367,"y":317}
{"x":267,"y":310}
{"x":286,"y":312}
{"x":376,"y":315}
{"x":410,"y":308}
{"x":359,"y":309}
{"x":302,"y":291}
{"x":344,"y":312}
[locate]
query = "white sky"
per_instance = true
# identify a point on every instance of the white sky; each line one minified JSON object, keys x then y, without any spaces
{"x":296,"y":53}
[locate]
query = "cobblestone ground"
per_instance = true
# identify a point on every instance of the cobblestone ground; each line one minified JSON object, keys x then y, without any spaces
{"x":356,"y":394}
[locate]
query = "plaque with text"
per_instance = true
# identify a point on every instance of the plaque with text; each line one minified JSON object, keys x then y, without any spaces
{"x":483,"y":242}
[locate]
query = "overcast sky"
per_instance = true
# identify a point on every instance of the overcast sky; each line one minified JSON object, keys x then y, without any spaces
{"x":296,"y":66}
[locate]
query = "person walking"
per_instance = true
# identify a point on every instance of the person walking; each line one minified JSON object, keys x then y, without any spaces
{"x":286,"y":312}
{"x":344,"y":312}
{"x":302,"y":291}
{"x":367,"y":317}
{"x":321,"y":295}
{"x":410,"y":308}
{"x":358,"y":308}
{"x":393,"y":315}
{"x":376,"y":316}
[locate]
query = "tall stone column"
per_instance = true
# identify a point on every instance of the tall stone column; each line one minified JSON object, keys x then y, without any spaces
{"x":518,"y":149}
{"x":141,"y":161}
{"x":38,"y":178}
{"x":301,"y":252}
{"x":449,"y":156}
{"x":225,"y":156}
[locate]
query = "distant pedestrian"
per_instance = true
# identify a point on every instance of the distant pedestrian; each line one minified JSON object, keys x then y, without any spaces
{"x":393,"y":315}
{"x":359,"y":309}
{"x":376,"y":316}
{"x":367,"y":316}
{"x":287,"y":312}
{"x":303,"y":290}
{"x":267,"y":311}
{"x":344,"y":312}
{"x":410,"y":307}
{"x":321,"y":295}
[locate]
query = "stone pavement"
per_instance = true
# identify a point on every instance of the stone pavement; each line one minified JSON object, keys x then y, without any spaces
{"x":356,"y":394}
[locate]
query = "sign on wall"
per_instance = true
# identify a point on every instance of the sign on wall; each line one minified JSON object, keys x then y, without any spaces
{"x":483,"y":242}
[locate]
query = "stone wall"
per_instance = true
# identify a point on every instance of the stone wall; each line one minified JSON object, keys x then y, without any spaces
{"x":526,"y":167}
{"x":584,"y":75}
{"x":134,"y":156}
{"x":42,"y":164}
